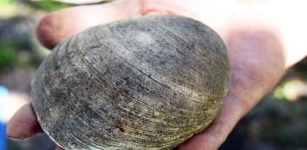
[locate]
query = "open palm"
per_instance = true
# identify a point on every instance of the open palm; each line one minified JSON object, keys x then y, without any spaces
{"x":257,"y":56}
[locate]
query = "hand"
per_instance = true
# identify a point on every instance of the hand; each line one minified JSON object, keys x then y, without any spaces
{"x":257,"y":47}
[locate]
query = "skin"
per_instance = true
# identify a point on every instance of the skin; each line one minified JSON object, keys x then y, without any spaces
{"x":262,"y":39}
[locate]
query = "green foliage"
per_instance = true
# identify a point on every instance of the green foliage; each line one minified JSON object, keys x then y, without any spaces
{"x":48,"y":5}
{"x":280,"y":122}
{"x":12,"y":56}
{"x":7,"y":56}
{"x":7,"y":2}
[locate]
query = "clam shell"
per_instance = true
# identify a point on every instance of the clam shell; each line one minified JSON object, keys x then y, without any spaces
{"x":145,"y":83}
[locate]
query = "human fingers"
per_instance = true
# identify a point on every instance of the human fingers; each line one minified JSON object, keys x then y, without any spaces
{"x":62,"y":24}
{"x":23,"y":124}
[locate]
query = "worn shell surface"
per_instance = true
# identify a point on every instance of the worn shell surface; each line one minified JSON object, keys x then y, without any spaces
{"x":145,"y":83}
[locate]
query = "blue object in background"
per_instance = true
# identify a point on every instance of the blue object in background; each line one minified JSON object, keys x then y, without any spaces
{"x":3,"y":99}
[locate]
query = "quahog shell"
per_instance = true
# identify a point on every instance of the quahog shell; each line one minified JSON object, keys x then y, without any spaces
{"x":145,"y":83}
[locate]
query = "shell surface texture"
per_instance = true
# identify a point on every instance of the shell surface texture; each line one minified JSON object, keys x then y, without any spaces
{"x":145,"y":83}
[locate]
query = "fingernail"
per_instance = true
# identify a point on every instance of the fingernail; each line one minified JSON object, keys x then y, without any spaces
{"x":14,"y":139}
{"x":18,"y":136}
{"x":11,"y":136}
{"x":12,"y":133}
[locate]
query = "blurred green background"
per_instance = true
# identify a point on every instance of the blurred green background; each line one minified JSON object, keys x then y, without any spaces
{"x":279,"y":122}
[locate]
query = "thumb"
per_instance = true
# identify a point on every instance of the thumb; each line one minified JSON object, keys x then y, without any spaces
{"x":23,"y":124}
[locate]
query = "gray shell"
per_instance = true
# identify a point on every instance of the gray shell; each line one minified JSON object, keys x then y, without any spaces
{"x":145,"y":83}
